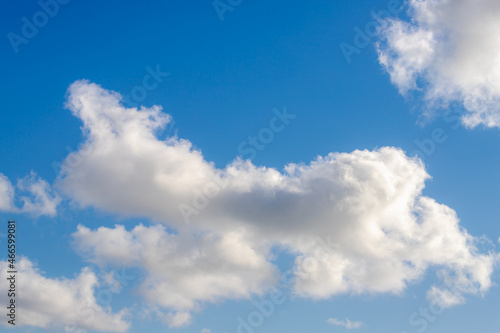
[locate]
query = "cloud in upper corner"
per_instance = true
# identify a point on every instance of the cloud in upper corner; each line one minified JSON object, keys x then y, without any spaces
{"x":37,"y":196}
{"x":448,"y":52}
{"x":345,"y":323}
{"x":381,"y":232}
{"x":60,"y":303}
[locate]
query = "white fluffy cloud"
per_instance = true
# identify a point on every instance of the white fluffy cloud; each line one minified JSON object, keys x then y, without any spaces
{"x":450,"y":52}
{"x":41,"y":199}
{"x":181,"y":271}
{"x":357,"y":222}
{"x":345,"y":323}
{"x":58,"y":303}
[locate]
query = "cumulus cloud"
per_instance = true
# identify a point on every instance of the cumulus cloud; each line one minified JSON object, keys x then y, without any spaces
{"x":345,"y":323}
{"x":449,"y":52}
{"x":42,"y":200}
{"x":357,"y":222}
{"x":58,"y":303}
{"x":181,"y":271}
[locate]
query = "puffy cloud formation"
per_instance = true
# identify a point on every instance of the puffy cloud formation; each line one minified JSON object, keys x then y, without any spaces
{"x":357,"y":222}
{"x":450,"y":52}
{"x":41,"y":201}
{"x":61,"y":304}
{"x":345,"y":323}
{"x":181,"y":271}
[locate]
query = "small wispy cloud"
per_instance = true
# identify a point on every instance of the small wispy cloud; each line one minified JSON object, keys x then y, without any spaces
{"x":39,"y":198}
{"x":350,"y":325}
{"x":206,"y":330}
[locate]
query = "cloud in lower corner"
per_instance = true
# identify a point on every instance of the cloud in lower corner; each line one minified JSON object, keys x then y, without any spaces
{"x":62,"y":304}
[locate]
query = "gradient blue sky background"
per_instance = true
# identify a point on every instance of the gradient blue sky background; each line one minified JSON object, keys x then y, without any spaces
{"x":225,"y":79}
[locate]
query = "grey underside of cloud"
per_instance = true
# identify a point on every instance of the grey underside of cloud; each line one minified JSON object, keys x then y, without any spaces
{"x":448,"y":52}
{"x":358,"y":221}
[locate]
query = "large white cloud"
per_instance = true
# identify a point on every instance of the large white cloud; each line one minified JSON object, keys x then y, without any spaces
{"x":60,"y":304}
{"x":450,"y":52}
{"x":41,"y":199}
{"x":357,"y":222}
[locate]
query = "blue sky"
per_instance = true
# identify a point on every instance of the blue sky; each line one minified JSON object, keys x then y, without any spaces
{"x":225,"y":78}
